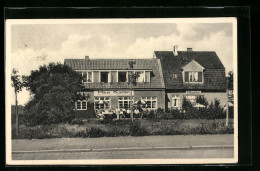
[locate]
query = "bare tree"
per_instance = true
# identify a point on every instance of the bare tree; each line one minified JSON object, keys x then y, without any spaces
{"x":17,"y":84}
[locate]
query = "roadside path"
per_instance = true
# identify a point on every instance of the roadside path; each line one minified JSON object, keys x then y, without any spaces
{"x":121,"y":142}
{"x":147,"y":147}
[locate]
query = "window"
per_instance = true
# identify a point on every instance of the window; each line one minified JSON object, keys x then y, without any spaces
{"x":151,"y":102}
{"x":104,"y":77}
{"x":121,"y":76}
{"x":102,"y":103}
{"x":175,"y":101}
{"x":192,"y":76}
{"x":124,"y":102}
{"x":81,"y":105}
{"x":141,"y":77}
{"x":174,"y":76}
{"x":89,"y":77}
{"x":85,"y":75}
{"x":191,"y":98}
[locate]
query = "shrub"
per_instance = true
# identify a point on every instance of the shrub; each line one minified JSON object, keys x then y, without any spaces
{"x":91,"y":110}
{"x":95,"y":132}
{"x":186,"y":105}
{"x":151,"y":114}
{"x":126,"y":128}
{"x":77,"y":121}
{"x":202,"y":100}
{"x":137,"y":130}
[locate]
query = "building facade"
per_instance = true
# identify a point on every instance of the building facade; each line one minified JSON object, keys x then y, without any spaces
{"x":164,"y":81}
{"x":106,"y":83}
{"x":189,"y":74}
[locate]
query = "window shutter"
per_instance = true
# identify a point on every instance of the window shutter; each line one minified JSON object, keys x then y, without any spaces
{"x":147,"y":76}
{"x":199,"y":76}
{"x":96,"y":76}
{"x":186,"y":76}
{"x":113,"y":76}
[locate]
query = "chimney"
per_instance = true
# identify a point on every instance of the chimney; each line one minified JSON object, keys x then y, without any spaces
{"x":189,"y":49}
{"x":86,"y":57}
{"x":175,"y":50}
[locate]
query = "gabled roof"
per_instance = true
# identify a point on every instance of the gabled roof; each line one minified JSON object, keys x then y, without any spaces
{"x":193,"y":65}
{"x":214,"y":73}
{"x":153,"y":65}
{"x":207,"y":59}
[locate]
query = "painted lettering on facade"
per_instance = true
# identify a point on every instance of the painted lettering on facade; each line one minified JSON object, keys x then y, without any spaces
{"x":113,"y":93}
{"x":193,"y":92}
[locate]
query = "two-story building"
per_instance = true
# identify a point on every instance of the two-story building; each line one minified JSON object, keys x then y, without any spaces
{"x":164,"y":80}
{"x":188,"y":74}
{"x":106,"y":82}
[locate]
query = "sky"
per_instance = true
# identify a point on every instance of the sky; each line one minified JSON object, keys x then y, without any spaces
{"x":33,"y":45}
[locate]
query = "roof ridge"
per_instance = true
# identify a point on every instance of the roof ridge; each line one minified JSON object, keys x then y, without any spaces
{"x":184,"y":51}
{"x":111,"y":59}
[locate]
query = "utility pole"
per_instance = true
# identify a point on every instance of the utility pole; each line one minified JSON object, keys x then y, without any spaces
{"x":131,"y":103}
{"x":227,"y":109}
{"x":16,"y":116}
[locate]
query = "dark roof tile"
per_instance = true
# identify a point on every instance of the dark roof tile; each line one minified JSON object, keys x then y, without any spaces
{"x":120,"y":64}
{"x":214,"y":74}
{"x":207,"y":59}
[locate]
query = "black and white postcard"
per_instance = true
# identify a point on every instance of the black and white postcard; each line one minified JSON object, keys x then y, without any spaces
{"x":121,"y":91}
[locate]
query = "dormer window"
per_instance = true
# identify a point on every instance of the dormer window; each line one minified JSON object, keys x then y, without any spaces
{"x":193,"y":76}
{"x":193,"y":73}
{"x":174,"y":76}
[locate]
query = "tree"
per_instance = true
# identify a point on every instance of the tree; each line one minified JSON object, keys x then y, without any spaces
{"x":17,"y":84}
{"x":186,"y":104}
{"x":230,"y":80}
{"x":54,"y":89}
{"x":133,"y":76}
{"x":202,"y":100}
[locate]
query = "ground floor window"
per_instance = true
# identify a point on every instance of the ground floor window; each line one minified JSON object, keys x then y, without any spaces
{"x":124,"y":102}
{"x":175,"y":101}
{"x":191,"y":98}
{"x":102,"y":103}
{"x":151,"y":102}
{"x":81,"y":105}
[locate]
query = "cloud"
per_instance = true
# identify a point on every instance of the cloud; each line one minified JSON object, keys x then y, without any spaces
{"x":197,"y":36}
{"x":75,"y":46}
{"x":217,"y":41}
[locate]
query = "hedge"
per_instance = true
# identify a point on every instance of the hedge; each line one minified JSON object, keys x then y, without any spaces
{"x":114,"y":128}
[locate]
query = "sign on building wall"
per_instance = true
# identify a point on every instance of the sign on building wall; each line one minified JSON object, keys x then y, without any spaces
{"x":193,"y":92}
{"x":113,"y":93}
